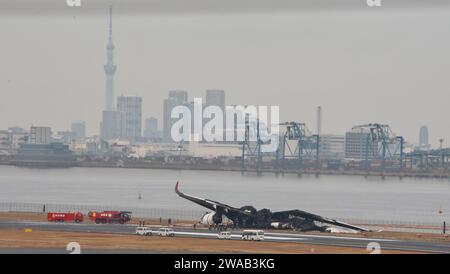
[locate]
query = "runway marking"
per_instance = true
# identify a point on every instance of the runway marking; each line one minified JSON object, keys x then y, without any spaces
{"x":284,"y":238}
{"x":332,"y":237}
{"x":195,"y":233}
{"x":236,"y":236}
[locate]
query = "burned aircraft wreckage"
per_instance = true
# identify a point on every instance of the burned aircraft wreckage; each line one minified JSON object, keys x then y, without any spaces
{"x":249,"y":217}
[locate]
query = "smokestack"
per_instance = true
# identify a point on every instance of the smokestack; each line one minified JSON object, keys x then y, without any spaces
{"x":319,"y":120}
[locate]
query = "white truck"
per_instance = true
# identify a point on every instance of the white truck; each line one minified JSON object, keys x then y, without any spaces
{"x":224,"y":235}
{"x":166,"y":232}
{"x":253,"y":235}
{"x":144,"y":231}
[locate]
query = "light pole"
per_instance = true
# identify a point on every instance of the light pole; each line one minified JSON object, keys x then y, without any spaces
{"x":142,"y":220}
{"x":443,"y":220}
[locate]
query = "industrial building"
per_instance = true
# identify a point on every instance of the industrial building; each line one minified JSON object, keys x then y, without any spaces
{"x":356,"y":145}
{"x":49,"y":155}
{"x":332,"y":147}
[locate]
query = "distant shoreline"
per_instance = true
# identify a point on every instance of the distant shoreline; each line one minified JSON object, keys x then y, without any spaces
{"x":216,"y":167}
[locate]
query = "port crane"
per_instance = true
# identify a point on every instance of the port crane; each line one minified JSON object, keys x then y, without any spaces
{"x":382,"y":143}
{"x":297,"y":144}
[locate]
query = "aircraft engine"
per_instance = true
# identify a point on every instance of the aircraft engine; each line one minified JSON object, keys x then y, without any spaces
{"x":279,"y":225}
{"x":211,"y":218}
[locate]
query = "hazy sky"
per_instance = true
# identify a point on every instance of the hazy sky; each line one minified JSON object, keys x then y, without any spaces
{"x":361,"y":65}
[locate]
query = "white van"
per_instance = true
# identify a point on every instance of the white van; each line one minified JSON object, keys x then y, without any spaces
{"x":253,"y":235}
{"x":143,"y":231}
{"x":166,"y":232}
{"x":224,"y":235}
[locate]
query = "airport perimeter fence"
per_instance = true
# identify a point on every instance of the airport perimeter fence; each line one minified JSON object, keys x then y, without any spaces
{"x":151,"y":213}
{"x":194,"y":215}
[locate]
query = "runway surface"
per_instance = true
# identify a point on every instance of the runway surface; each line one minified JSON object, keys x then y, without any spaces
{"x":329,"y":240}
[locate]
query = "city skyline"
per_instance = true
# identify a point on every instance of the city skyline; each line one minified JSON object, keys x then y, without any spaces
{"x":242,"y":88}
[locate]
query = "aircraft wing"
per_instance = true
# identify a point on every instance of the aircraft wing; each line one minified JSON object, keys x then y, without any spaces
{"x":345,"y":225}
{"x":209,"y":204}
{"x":303,"y":214}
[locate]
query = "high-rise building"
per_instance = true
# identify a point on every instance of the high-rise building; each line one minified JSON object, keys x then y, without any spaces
{"x":65,"y":137}
{"x":180,"y":96}
{"x":423,"y":136}
{"x":216,"y":97}
{"x":16,"y":130}
{"x":130,"y":110}
{"x":79,"y":129}
{"x":110,"y":125}
{"x":5,"y":141}
{"x":169,"y":104}
{"x":151,"y":128}
{"x":175,"y":98}
{"x":356,"y":145}
{"x":18,"y":136}
{"x":110,"y":68}
{"x":40,"y":135}
{"x":191,"y":106}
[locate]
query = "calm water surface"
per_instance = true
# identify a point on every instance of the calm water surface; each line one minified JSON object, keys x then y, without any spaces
{"x":334,"y":196}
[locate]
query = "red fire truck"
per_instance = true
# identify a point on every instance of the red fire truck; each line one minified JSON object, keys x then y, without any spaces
{"x":104,"y":217}
{"x":65,"y":217}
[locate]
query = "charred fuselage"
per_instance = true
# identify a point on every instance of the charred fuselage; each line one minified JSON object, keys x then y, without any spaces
{"x":250,"y":217}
